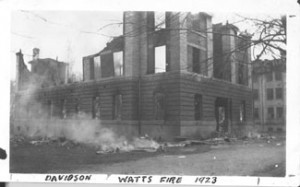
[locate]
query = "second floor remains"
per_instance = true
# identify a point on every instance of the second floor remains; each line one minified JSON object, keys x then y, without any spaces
{"x":161,"y":42}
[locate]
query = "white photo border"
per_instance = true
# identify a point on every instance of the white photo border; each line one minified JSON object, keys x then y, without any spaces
{"x":288,"y":7}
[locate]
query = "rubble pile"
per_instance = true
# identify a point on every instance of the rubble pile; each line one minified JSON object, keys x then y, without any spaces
{"x":140,"y":144}
{"x":252,"y":137}
{"x":145,"y":143}
{"x":16,"y":140}
{"x":39,"y":141}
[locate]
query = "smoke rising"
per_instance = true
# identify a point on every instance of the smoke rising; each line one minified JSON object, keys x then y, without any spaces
{"x":34,"y":119}
{"x":31,"y":119}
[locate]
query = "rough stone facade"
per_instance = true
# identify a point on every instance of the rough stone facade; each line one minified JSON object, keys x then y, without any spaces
{"x":124,"y":89}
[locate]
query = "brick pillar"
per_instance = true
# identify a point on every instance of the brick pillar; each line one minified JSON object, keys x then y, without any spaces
{"x":178,"y":41}
{"x":20,"y":60}
{"x":209,"y":44}
{"x":135,"y":43}
{"x":66,"y":73}
{"x":143,"y":46}
{"x":249,"y":62}
{"x":249,"y":67}
{"x":229,"y":57}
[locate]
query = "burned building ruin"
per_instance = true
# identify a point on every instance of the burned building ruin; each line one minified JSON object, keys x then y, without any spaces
{"x":170,"y":74}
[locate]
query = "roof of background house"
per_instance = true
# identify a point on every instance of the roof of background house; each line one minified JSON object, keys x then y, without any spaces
{"x":46,"y":60}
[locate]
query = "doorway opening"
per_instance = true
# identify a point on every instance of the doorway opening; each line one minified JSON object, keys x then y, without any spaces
{"x":223,"y":114}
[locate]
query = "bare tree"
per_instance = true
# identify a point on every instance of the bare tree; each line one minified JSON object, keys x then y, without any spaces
{"x":269,"y":37}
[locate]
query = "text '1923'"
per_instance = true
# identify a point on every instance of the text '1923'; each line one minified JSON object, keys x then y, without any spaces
{"x":206,"y":180}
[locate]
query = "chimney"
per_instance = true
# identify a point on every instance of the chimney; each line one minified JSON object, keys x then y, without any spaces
{"x":35,"y":53}
{"x":19,"y":63}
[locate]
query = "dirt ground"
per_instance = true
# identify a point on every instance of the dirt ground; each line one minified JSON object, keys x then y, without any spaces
{"x":240,"y":158}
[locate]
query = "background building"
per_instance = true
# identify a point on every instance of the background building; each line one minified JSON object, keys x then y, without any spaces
{"x":43,"y":73}
{"x":269,"y":94}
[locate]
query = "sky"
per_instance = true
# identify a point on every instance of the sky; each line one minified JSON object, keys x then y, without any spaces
{"x":66,"y":35}
{"x":70,"y":35}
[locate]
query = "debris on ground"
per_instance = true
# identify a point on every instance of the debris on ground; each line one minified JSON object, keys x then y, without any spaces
{"x":255,"y":135}
{"x":147,"y":144}
{"x":140,"y":144}
{"x":278,"y":144}
{"x":145,"y":149}
{"x":39,"y":142}
{"x":215,"y":140}
{"x":108,"y":151}
{"x":182,"y":144}
{"x":197,"y":142}
{"x":15,"y":140}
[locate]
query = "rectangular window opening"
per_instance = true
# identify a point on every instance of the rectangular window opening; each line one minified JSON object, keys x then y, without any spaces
{"x":88,"y":69}
{"x":279,"y":93}
{"x":195,"y":23}
{"x":50,"y":109}
{"x":279,"y":113}
{"x":270,"y":113}
{"x":255,"y":94}
{"x":107,"y":65}
{"x":63,"y":109}
{"x":118,"y":63}
{"x":92,"y":69}
{"x":243,"y":111}
{"x":198,"y":107}
{"x":269,"y":77}
{"x":256,"y":113}
{"x":117,"y":109}
{"x":97,"y":67}
{"x":243,"y":73}
{"x":160,"y":20}
{"x":77,"y":107}
{"x":160,"y":59}
{"x":270,"y":94}
{"x":196,"y":60}
{"x":159,"y":106}
{"x":278,"y":76}
{"x":96,"y":108}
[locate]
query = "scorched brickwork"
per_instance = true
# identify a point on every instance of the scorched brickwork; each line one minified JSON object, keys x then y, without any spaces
{"x":170,"y":74}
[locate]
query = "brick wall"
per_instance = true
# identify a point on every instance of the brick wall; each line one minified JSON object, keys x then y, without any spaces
{"x":191,"y":84}
{"x":139,"y":109}
{"x":84,"y":93}
{"x":140,"y":88}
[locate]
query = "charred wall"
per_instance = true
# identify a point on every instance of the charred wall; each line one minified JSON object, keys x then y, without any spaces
{"x":161,"y":105}
{"x":82,"y":95}
{"x":210,"y":90}
{"x":149,"y":104}
{"x":180,"y":101}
